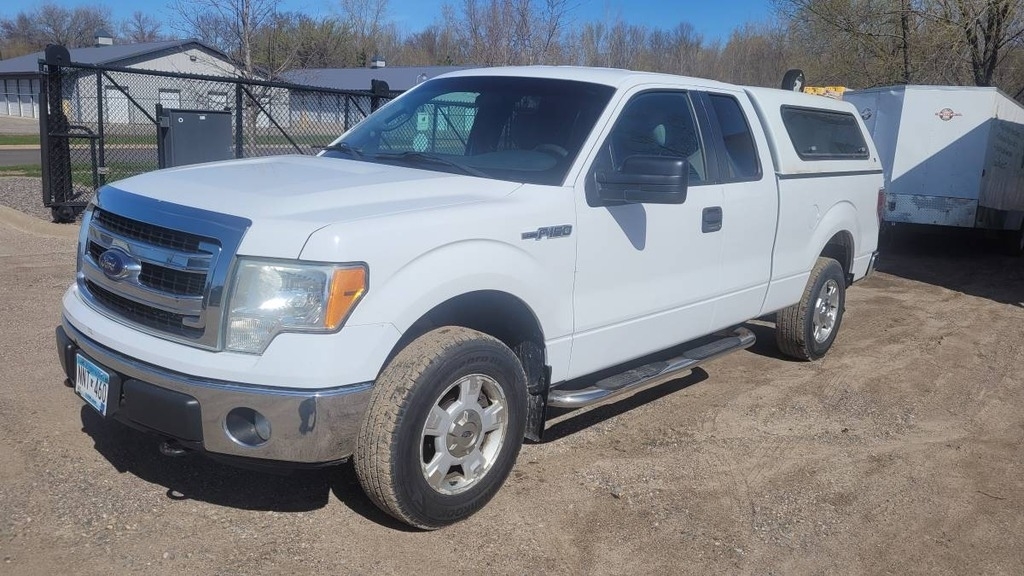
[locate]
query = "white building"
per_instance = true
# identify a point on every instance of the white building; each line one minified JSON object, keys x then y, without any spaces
{"x":20,"y":79}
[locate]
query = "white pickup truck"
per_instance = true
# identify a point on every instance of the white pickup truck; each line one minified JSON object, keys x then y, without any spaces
{"x":489,"y":244}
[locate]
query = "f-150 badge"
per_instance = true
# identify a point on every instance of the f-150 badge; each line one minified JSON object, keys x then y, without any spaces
{"x":562,"y":231}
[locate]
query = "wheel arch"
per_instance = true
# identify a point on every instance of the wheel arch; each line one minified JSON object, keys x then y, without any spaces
{"x":840,"y":248}
{"x":510,"y":320}
{"x":493,"y":312}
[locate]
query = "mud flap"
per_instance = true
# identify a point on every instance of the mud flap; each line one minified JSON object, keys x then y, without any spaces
{"x":536,"y":414}
{"x":538,"y":378}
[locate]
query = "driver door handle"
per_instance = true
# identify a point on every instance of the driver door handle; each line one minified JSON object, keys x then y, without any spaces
{"x":711,"y":219}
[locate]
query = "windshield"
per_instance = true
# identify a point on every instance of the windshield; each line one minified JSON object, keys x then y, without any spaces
{"x":508,"y":128}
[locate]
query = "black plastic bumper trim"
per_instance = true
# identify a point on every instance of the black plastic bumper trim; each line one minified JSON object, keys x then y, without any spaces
{"x":165,"y":411}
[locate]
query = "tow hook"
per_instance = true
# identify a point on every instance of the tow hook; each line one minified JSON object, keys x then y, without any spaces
{"x":172,"y":449}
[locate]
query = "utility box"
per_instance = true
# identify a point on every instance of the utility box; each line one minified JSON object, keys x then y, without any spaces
{"x":193,"y":136}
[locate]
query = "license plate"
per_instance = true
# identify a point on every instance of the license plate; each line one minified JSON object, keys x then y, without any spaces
{"x":92,"y":383}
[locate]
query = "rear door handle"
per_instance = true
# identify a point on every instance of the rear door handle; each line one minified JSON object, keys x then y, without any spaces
{"x":711,"y":219}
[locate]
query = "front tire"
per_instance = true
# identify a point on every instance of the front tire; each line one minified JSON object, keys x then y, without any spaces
{"x":807,"y":329}
{"x":444,"y":427}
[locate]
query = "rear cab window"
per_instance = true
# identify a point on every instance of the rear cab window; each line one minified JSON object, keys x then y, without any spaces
{"x":741,"y":162}
{"x":824,"y":134}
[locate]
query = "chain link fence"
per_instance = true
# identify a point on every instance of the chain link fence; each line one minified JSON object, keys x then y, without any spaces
{"x":102,"y":124}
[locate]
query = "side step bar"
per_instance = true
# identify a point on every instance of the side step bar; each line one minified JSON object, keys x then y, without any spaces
{"x":650,"y":374}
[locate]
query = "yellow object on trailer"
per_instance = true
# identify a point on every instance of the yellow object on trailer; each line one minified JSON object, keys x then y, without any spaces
{"x":834,"y":92}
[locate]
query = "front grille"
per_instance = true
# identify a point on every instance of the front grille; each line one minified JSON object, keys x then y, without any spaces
{"x":174,"y":281}
{"x":148,"y":233}
{"x":163,"y":279}
{"x":143,"y":314}
{"x":167,"y":274}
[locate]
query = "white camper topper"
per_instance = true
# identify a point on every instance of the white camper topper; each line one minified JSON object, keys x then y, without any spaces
{"x":953,"y":156}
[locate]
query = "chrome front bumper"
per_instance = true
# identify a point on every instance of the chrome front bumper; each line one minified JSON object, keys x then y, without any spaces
{"x":306,"y":426}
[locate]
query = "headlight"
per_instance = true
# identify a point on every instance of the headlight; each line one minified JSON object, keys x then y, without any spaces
{"x":270,"y":297}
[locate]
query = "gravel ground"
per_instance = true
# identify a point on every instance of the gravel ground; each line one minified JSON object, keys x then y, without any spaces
{"x":24,"y":194}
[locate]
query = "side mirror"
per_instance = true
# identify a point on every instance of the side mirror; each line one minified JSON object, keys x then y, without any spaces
{"x":645,"y":180}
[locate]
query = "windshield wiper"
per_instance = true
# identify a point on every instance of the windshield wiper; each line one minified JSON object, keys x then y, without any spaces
{"x":422,"y":158}
{"x":345,"y":148}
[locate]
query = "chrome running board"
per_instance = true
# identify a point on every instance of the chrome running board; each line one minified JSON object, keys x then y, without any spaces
{"x":652,"y":374}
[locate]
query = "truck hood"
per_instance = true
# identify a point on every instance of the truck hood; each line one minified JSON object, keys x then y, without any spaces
{"x":287,"y":198}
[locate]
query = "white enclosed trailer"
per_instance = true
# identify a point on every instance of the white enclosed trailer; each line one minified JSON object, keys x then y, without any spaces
{"x":952,"y":155}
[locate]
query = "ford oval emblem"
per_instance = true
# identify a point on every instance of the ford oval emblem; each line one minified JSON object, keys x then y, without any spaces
{"x":116,"y":264}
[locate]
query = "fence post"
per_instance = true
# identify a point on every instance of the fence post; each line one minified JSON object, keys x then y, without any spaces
{"x":239,"y":152}
{"x":379,"y":89}
{"x":58,"y":150}
{"x":161,"y":133}
{"x":44,"y":133}
{"x":100,"y":168}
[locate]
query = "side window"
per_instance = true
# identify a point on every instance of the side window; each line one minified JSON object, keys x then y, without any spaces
{"x":824,"y":134}
{"x":656,"y":124}
{"x":741,"y":161}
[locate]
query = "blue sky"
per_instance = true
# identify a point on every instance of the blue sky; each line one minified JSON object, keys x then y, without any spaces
{"x":712,"y":19}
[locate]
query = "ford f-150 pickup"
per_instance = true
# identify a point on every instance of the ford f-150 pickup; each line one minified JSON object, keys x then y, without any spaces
{"x":488,"y":245}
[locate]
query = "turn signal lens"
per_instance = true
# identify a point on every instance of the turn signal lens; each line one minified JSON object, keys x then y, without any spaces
{"x":347,"y":286}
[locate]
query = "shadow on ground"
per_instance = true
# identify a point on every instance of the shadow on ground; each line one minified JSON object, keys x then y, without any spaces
{"x":562,"y":423}
{"x":967,"y":261}
{"x":196,"y":477}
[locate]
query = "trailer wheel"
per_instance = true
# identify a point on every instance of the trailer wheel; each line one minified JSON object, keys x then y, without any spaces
{"x":807,"y":329}
{"x":443,"y":428}
{"x":63,"y":214}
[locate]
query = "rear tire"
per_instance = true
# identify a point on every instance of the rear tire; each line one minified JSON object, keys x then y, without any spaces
{"x":443,"y":429}
{"x":806,"y":330}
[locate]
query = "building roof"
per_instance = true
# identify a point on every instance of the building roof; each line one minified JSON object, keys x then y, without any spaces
{"x":112,"y":55}
{"x":398,"y":77}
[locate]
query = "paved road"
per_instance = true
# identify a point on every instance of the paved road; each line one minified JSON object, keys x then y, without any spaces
{"x":19,"y":157}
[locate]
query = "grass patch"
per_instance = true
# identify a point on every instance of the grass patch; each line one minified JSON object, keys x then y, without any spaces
{"x":149,"y":140}
{"x":111,"y":140}
{"x":19,"y":139}
{"x":81,"y":175}
{"x":30,"y":170}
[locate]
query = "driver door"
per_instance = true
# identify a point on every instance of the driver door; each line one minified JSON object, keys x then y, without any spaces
{"x":647,"y":274}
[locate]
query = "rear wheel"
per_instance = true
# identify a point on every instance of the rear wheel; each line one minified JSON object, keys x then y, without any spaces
{"x":806,"y":330}
{"x":444,"y":427}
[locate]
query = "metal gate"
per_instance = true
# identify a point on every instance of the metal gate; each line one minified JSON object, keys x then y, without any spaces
{"x":100,"y":124}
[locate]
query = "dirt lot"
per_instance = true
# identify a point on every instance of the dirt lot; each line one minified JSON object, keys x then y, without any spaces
{"x":901,"y":452}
